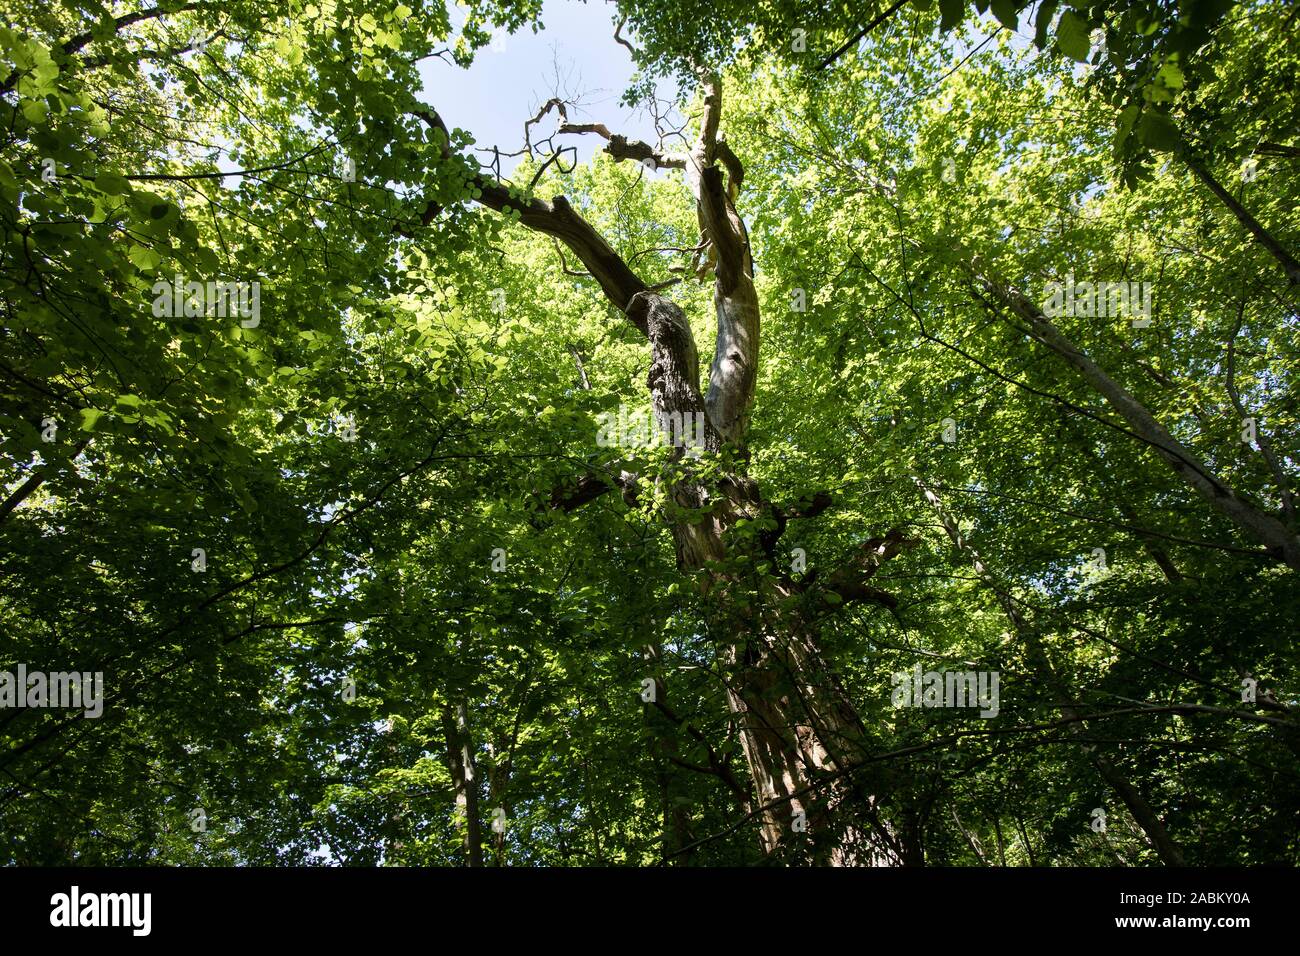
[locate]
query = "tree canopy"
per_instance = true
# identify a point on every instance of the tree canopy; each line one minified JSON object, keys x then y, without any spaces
{"x":629,"y":512}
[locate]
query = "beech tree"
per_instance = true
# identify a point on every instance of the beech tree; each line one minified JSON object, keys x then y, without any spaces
{"x":323,"y":438}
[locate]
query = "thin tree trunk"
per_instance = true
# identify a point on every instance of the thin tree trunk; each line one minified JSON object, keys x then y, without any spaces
{"x":970,"y":838}
{"x":1281,"y":543}
{"x":1164,"y":845}
{"x":1024,"y":838}
{"x":664,"y":753}
{"x":460,"y":761}
{"x":498,"y":783}
{"x":1288,"y":262}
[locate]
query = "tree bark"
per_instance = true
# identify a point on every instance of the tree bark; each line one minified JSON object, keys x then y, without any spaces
{"x":800,"y":734}
{"x":460,"y":761}
{"x":1165,"y":847}
{"x":1282,"y":543}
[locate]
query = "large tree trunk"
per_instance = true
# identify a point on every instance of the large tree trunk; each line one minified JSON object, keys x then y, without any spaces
{"x":801,"y":736}
{"x":803,"y":766}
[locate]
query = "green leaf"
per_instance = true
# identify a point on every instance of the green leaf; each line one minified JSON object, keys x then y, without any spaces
{"x":952,"y":12}
{"x":1127,"y":117}
{"x":1171,"y":76}
{"x":1073,"y":36}
{"x":146,"y":260}
{"x":35,"y":111}
{"x":1158,"y":131}
{"x":1043,"y":22}
{"x":1005,"y":11}
{"x":89,"y":417}
{"x":112,"y":184}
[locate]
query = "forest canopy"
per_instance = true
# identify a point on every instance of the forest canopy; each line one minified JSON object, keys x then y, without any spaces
{"x":891,"y":460}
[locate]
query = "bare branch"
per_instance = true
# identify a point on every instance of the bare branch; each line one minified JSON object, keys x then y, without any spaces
{"x":622,"y":41}
{"x":564,"y":263}
{"x":851,"y":43}
{"x":554,"y":103}
{"x":621,"y":148}
{"x":554,"y":158}
{"x":702,"y":154}
{"x":557,"y":218}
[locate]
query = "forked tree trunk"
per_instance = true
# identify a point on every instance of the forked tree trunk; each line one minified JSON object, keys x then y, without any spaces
{"x":800,"y":733}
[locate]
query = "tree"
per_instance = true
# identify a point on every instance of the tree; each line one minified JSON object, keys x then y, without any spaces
{"x":396,"y":506}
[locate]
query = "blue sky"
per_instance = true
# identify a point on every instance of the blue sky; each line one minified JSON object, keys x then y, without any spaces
{"x":505,"y":87}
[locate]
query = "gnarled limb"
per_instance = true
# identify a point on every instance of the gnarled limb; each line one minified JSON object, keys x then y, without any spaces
{"x":588,"y":488}
{"x":734,"y":371}
{"x":849,"y":581}
{"x":735,"y":171}
{"x":559,"y":220}
{"x":622,"y":148}
{"x":807,"y":507}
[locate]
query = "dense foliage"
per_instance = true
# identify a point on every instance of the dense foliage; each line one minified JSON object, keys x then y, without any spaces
{"x":403,"y":639}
